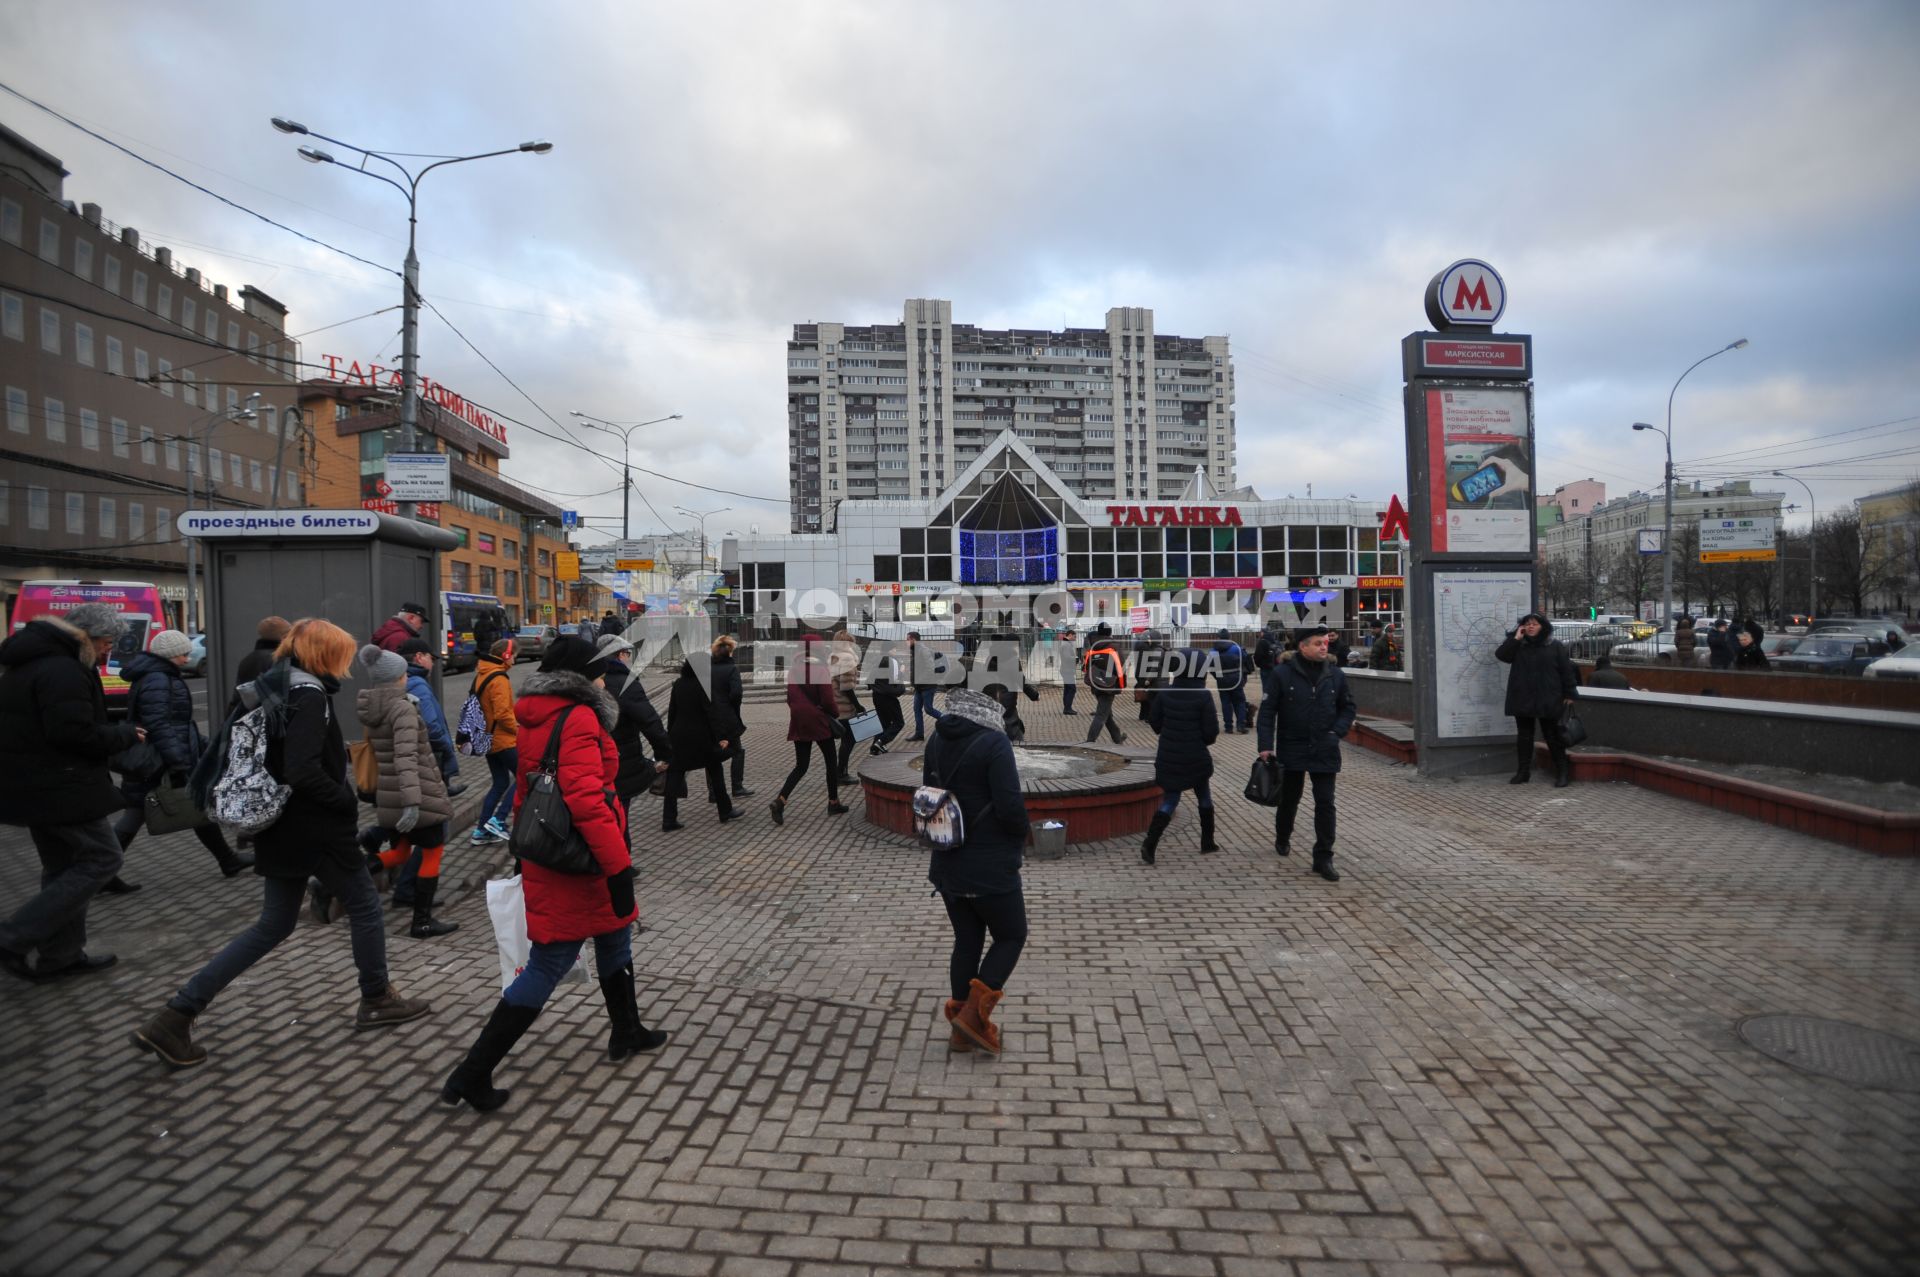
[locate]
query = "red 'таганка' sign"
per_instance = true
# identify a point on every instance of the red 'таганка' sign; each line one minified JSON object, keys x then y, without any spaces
{"x":1173,"y":516}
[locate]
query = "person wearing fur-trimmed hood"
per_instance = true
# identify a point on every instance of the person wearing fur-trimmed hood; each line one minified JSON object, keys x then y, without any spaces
{"x":567,"y":696}
{"x":971,"y":757}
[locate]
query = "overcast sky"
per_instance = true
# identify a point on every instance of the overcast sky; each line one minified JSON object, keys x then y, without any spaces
{"x":1652,"y":180}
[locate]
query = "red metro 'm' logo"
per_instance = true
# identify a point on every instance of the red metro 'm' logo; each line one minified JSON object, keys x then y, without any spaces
{"x":1467,"y":294}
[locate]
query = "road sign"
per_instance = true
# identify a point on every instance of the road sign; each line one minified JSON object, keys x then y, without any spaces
{"x":569,"y":518}
{"x":633,"y":565}
{"x":1737,"y":540}
{"x":419,"y":476}
{"x":566,"y":566}
{"x":1600,"y":578}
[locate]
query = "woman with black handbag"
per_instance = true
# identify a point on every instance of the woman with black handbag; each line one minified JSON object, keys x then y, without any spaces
{"x":1541,"y":688}
{"x":565,"y":713}
{"x":159,"y":700}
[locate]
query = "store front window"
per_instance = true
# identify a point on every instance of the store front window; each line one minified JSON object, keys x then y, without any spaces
{"x":1008,"y":538}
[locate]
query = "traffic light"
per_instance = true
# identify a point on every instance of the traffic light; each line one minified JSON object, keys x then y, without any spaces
{"x":1593,"y":613}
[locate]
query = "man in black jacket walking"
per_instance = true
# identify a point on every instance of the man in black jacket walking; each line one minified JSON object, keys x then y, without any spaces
{"x":54,"y":745}
{"x":1301,"y":723}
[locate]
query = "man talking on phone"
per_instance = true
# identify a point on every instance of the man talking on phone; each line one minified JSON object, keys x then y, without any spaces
{"x":1301,"y":722}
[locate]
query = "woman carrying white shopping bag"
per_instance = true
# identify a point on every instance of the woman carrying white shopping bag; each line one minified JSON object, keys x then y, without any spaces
{"x":566,"y":722}
{"x":507,"y":906}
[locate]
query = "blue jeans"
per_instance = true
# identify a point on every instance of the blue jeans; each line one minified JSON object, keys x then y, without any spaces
{"x":75,"y":862}
{"x":1202,"y":793}
{"x":923,"y":705}
{"x":502,"y":764}
{"x":547,"y":963}
{"x":279,"y":910}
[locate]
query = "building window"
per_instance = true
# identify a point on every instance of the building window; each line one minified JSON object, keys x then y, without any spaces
{"x":13,"y":317}
{"x":77,"y":513}
{"x":146,"y":444}
{"x":56,"y":420}
{"x":488,"y":580}
{"x":460,"y":575}
{"x":140,"y":288}
{"x":110,"y":272}
{"x":6,"y":503}
{"x":510,"y":582}
{"x":37,"y":503}
{"x":254,"y":476}
{"x":186,"y":312}
{"x":49,"y":241}
{"x":83,"y":344}
{"x":189,"y":392}
{"x":109,"y":521}
{"x":485,"y":542}
{"x":136,"y":518}
{"x":116,"y":357}
{"x":213,"y":323}
{"x":544,"y":559}
{"x":215,"y":472}
{"x":162,"y":524}
{"x":11,"y":220}
{"x":510,"y":547}
{"x":50,"y":331}
{"x":173,"y":454}
{"x":17,"y":419}
{"x":463,"y":534}
{"x":233,"y":334}
{"x":163,"y":301}
{"x":142,"y":370}
{"x":165,"y":377}
{"x":83,"y":259}
{"x":90,"y":430}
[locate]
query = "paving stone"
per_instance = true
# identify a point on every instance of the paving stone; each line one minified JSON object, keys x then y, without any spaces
{"x":1503,"y":1043}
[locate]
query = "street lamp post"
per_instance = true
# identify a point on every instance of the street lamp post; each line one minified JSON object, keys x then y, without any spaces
{"x":410,"y":276}
{"x":625,"y":430}
{"x":1813,"y":545}
{"x":193,"y":543}
{"x":695,"y":514}
{"x":1666,"y":537}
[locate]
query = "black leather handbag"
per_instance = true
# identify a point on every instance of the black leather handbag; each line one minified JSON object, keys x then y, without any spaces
{"x":1263,"y":786}
{"x":543,"y":832}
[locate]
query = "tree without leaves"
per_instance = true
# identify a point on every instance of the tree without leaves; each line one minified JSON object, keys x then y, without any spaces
{"x":1853,"y":562}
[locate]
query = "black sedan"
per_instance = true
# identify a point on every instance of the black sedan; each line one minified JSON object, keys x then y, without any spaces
{"x":1820,"y":653}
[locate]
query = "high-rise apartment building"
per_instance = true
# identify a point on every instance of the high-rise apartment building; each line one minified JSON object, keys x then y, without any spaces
{"x":898,"y":410}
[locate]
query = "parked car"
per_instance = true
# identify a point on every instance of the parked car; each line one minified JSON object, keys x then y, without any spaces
{"x":530,"y":641}
{"x":1903,"y":664}
{"x":1594,"y":639}
{"x":1779,"y":644}
{"x":196,"y":666}
{"x":1822,"y":652}
{"x":1656,"y":649}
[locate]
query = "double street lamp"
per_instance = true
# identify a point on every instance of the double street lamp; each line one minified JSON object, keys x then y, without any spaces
{"x":410,"y":277}
{"x":625,"y":430}
{"x":1666,"y":537}
{"x":702,"y":518}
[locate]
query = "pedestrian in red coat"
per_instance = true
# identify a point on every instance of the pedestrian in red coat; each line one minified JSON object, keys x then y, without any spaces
{"x":813,"y":719}
{"x":565,"y":910}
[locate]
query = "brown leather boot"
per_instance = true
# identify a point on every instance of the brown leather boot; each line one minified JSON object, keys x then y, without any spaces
{"x":389,"y":1008}
{"x":957,"y":1042}
{"x":975,"y":1019}
{"x":169,"y":1035}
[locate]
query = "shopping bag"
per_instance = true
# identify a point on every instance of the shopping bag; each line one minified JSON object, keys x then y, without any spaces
{"x":1572,"y":728}
{"x":507,"y":906}
{"x":1263,"y":786}
{"x":170,"y":809}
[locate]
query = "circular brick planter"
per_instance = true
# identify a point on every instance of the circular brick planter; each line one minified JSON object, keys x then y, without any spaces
{"x":1109,"y":804}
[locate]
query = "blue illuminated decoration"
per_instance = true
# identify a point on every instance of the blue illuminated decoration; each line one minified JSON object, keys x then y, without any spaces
{"x":1008,"y":538}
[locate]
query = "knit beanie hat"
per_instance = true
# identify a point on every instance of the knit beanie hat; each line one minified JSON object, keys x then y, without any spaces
{"x":381,"y":665}
{"x":573,"y":655}
{"x":168,"y":644}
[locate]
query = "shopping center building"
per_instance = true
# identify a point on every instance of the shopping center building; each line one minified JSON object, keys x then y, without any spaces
{"x":1008,"y":538}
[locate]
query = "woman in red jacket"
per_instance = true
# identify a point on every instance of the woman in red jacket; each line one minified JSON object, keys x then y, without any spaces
{"x":564,"y":910}
{"x":812,"y":719}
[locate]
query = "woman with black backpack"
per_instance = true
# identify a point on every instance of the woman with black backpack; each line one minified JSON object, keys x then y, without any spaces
{"x":159,"y":700}
{"x":971,"y":759}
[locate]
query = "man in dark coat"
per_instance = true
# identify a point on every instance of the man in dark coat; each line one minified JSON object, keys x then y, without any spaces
{"x":728,"y":689}
{"x":54,"y":744}
{"x":1541,"y":687}
{"x":701,"y":729}
{"x":1230,"y":677}
{"x":401,"y":626}
{"x":1183,"y":716}
{"x":610,"y":624}
{"x":1720,"y":651}
{"x":271,"y":630}
{"x":1301,"y":725}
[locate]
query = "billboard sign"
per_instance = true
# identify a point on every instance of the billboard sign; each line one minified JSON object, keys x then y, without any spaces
{"x":1737,"y":540}
{"x":1480,"y":468}
{"x":419,"y":476}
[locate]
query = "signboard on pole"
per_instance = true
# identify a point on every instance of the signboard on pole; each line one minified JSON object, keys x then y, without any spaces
{"x":566,"y":566}
{"x":419,"y":476}
{"x":1737,"y":540}
{"x":633,"y":565}
{"x":1480,"y":470}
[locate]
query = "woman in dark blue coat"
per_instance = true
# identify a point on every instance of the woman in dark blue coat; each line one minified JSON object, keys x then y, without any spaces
{"x":1183,"y":715}
{"x":971,"y":757}
{"x":159,"y":700}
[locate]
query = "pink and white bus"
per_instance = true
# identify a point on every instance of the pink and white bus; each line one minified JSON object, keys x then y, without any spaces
{"x":139,"y":604}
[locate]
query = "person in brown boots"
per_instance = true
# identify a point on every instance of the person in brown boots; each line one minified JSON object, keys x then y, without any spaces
{"x":971,"y":758}
{"x":313,"y":836}
{"x":412,"y":798}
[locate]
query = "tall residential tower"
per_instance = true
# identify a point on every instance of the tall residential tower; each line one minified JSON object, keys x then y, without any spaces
{"x":898,"y":410}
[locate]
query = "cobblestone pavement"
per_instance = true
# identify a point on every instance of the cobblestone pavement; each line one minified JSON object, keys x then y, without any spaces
{"x":1504,"y":1042}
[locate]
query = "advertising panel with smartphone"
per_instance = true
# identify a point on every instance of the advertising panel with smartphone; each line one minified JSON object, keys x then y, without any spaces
{"x":1481,"y":466}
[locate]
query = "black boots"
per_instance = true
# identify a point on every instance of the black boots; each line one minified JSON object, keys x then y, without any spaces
{"x":425,"y":925}
{"x":627,"y":1035}
{"x":1207,"y":844}
{"x":1522,"y":776}
{"x":1562,"y":772}
{"x":1323,"y":865}
{"x":1154,"y":830}
{"x":472,"y":1081}
{"x":1524,"y":749}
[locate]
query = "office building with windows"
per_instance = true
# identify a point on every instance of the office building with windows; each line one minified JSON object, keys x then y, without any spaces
{"x":893,"y":412}
{"x":126,"y":378}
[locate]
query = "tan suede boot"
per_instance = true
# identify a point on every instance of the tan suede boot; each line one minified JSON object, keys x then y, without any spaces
{"x":957,"y":1042}
{"x":975,"y":1018}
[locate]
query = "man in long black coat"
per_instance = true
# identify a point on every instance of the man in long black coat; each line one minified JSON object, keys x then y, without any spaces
{"x":54,"y":745}
{"x":1301,"y":724}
